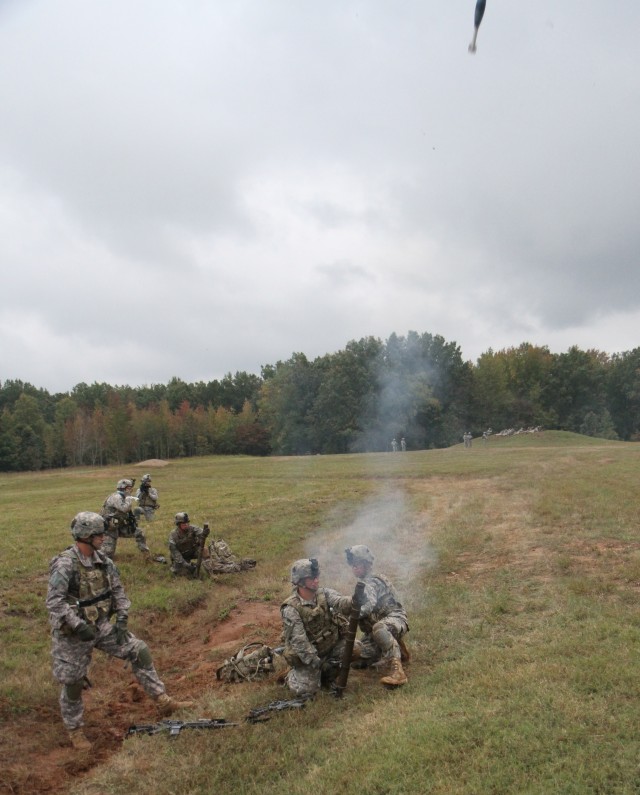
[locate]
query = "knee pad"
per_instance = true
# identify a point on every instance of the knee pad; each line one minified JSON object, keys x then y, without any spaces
{"x":382,"y":637}
{"x":143,"y":656}
{"x":73,"y":692}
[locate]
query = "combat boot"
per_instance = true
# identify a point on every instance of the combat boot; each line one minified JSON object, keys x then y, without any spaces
{"x":405,"y":654}
{"x":396,"y":675}
{"x":79,"y":739}
{"x":167,"y":705}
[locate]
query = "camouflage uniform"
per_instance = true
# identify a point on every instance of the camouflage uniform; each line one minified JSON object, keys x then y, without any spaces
{"x":183,"y":548}
{"x":89,"y":591}
{"x":148,"y":499}
{"x":312,"y":638}
{"x":120,"y":508}
{"x":383,"y":620}
{"x":221,"y":559}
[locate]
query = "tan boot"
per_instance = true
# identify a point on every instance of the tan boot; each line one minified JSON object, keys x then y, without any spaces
{"x":405,"y":654}
{"x":396,"y":675}
{"x":79,"y":740}
{"x":167,"y":705}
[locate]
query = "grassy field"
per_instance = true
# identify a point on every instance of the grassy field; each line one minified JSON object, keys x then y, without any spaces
{"x":518,"y":561}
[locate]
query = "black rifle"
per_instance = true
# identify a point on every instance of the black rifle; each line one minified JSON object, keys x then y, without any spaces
{"x":260,"y":714}
{"x":174,"y":727}
{"x":127,"y":527}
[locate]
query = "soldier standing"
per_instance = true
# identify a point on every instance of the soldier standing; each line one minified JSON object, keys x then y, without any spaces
{"x":84,"y":592}
{"x":312,"y":629}
{"x":148,"y":498}
{"x":120,"y":519}
{"x":185,"y":542}
{"x":383,"y":619}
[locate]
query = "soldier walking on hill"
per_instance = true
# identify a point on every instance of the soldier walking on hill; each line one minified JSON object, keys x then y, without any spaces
{"x":84,"y":592}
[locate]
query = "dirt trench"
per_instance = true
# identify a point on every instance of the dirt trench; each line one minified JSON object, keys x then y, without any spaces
{"x":35,"y":754}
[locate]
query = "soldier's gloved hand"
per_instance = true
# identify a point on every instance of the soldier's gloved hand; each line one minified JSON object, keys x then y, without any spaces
{"x":205,"y":531}
{"x":360,"y":598}
{"x":85,"y":632}
{"x":122,"y":633}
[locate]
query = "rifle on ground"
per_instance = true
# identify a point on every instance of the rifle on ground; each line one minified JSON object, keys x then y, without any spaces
{"x":354,"y":617}
{"x":205,"y":533}
{"x":174,"y":727}
{"x":260,"y":714}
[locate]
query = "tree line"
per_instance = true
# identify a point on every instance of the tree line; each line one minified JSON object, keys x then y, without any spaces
{"x":356,"y":400}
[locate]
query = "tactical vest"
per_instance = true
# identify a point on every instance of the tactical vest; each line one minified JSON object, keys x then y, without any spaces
{"x":318,"y":622}
{"x":188,"y":545}
{"x":146,"y":500}
{"x":89,"y":589}
{"x":121,"y":522}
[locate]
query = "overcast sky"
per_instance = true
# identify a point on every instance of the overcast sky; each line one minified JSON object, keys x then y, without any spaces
{"x":195,"y":187}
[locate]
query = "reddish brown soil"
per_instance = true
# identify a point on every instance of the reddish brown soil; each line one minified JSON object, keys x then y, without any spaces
{"x":35,"y":754}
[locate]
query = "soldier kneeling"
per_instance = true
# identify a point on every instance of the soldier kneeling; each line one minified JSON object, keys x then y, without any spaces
{"x":312,"y":630}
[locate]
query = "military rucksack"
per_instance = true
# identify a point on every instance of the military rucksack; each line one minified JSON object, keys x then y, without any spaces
{"x":253,"y":662}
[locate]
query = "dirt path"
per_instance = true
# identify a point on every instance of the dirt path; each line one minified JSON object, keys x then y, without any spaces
{"x":36,"y":755}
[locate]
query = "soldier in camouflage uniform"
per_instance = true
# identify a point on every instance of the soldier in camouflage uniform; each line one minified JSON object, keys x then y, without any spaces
{"x":185,"y":542}
{"x":221,"y":559}
{"x":148,"y":498}
{"x":313,"y":620}
{"x":84,"y":592}
{"x":383,"y":620}
{"x":120,"y":512}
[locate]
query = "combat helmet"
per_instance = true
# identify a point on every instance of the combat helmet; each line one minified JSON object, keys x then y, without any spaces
{"x":87,"y":524}
{"x":123,"y":484}
{"x":146,"y":479}
{"x":359,"y":554}
{"x":182,"y":516}
{"x":301,"y":569}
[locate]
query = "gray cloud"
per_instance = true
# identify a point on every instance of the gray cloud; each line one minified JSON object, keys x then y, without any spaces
{"x":214,"y":186}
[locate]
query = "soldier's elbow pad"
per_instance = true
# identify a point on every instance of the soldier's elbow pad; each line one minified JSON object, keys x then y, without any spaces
{"x":73,"y":691}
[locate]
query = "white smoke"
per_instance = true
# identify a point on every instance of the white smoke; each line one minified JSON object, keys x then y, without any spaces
{"x":397,"y":537}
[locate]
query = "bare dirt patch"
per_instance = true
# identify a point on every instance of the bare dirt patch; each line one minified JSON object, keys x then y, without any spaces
{"x":152,"y":462}
{"x":36,"y":755}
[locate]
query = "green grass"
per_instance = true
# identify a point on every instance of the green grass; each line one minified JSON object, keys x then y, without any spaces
{"x":519,"y":562}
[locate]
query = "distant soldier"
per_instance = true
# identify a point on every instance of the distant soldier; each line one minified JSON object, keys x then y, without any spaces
{"x":185,"y":542}
{"x":312,"y":629}
{"x":394,"y":445}
{"x":120,"y":512}
{"x":84,"y":592}
{"x":221,"y":559}
{"x":383,"y":619}
{"x":148,"y":498}
{"x":403,"y":445}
